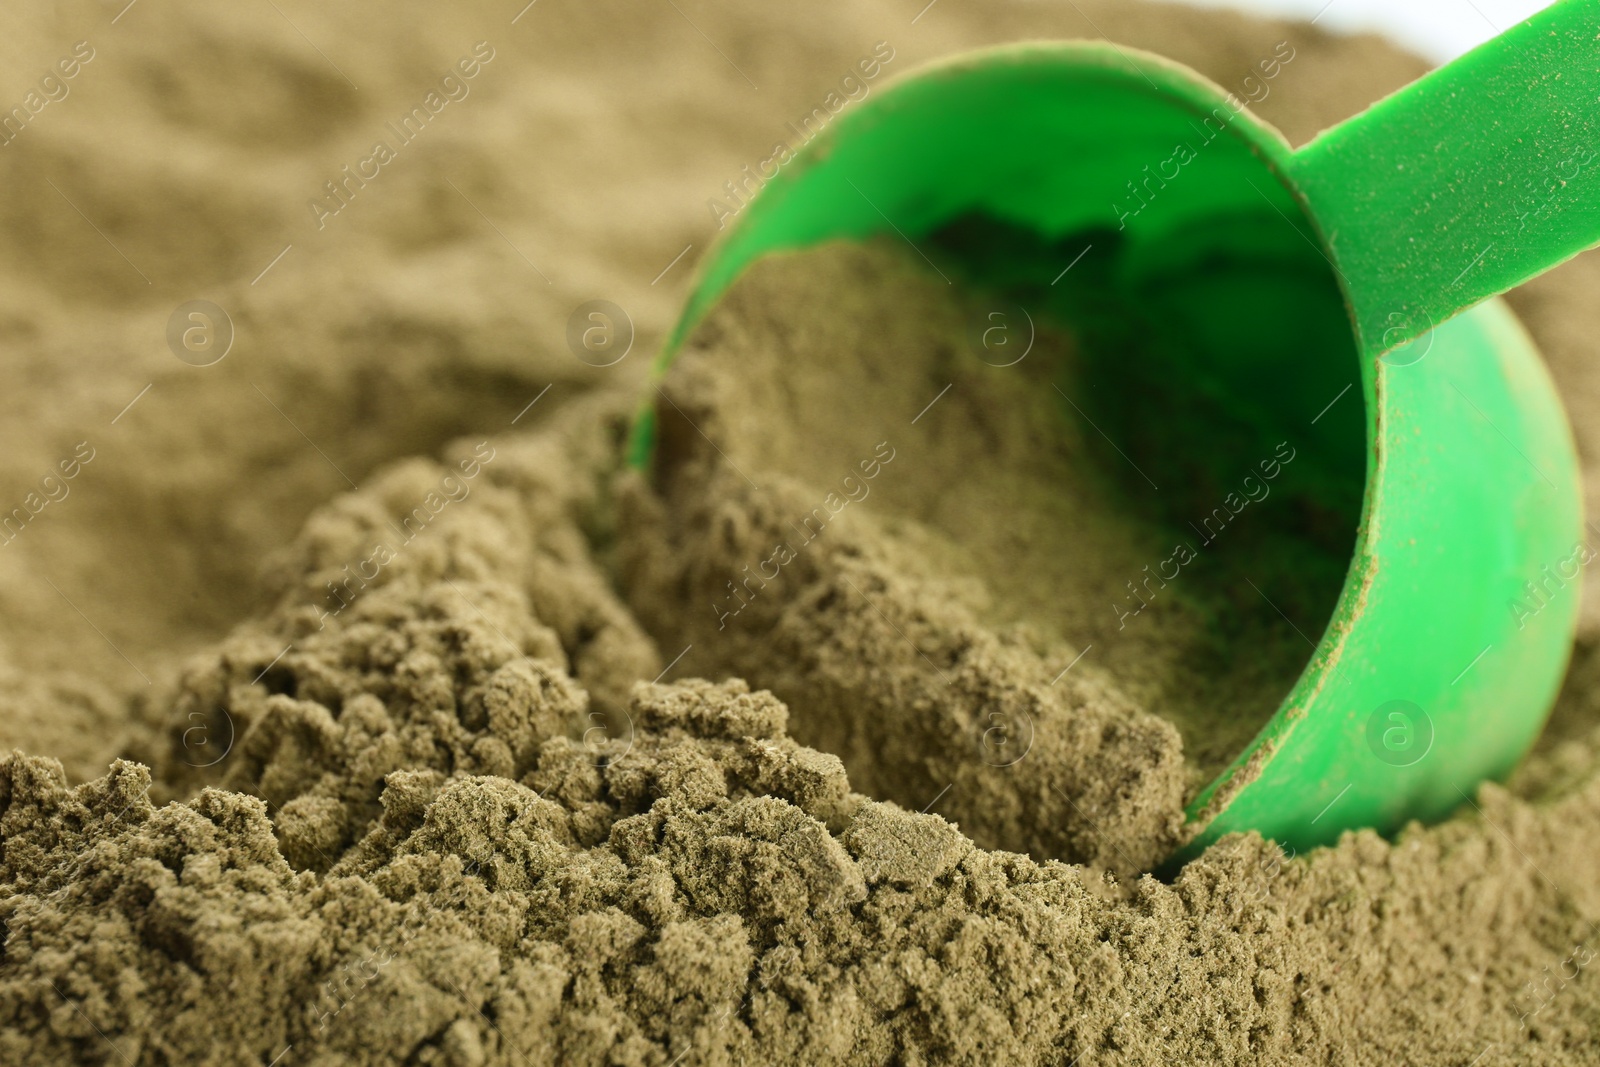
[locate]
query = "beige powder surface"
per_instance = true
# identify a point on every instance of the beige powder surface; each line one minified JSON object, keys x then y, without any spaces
{"x":296,"y":784}
{"x":928,"y":551}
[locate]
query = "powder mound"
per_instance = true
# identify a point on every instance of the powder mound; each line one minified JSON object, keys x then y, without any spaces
{"x":837,"y":585}
{"x":408,"y":682}
{"x":149,"y":920}
{"x":474,"y":890}
{"x":431,"y":848}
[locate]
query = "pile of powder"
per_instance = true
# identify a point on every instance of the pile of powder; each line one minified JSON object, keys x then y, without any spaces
{"x":470,"y":810}
{"x":436,"y":843}
{"x":915,"y":544}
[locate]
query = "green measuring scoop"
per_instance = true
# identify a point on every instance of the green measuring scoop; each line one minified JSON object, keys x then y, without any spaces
{"x":1319,"y":292}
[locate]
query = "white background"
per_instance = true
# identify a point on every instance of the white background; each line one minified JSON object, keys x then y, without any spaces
{"x":1437,"y":29}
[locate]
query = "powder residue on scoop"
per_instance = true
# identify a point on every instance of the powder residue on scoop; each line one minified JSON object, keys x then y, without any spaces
{"x":922,"y":548}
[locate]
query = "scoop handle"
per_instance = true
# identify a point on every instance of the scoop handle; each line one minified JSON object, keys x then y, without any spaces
{"x":1467,"y":182}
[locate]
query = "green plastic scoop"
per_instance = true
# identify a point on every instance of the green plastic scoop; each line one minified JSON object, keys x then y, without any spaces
{"x":1295,"y":278}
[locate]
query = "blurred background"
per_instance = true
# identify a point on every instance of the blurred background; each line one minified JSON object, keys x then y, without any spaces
{"x":1437,"y":29}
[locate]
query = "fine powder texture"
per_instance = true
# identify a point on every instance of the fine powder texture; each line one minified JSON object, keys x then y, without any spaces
{"x":446,"y":740}
{"x":898,"y":531}
{"x":425,"y":846}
